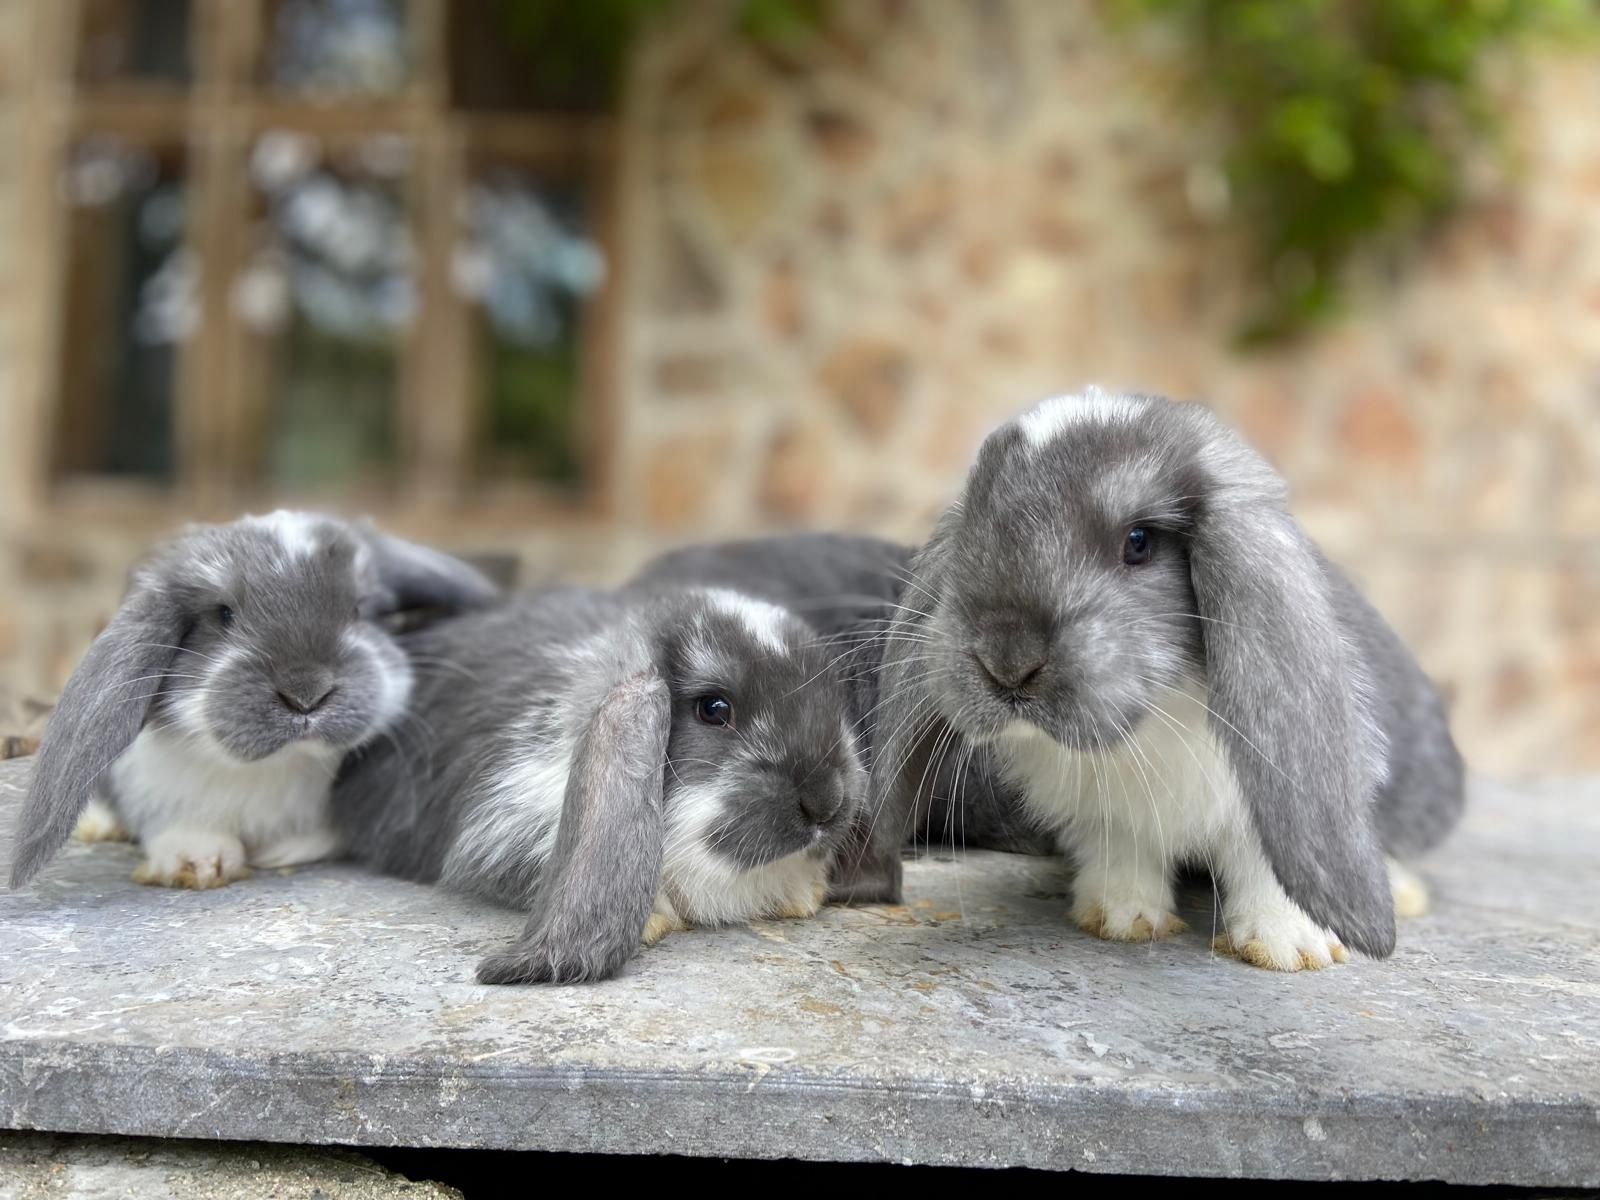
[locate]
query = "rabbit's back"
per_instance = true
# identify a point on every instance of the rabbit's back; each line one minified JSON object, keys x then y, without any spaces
{"x":487,"y":686}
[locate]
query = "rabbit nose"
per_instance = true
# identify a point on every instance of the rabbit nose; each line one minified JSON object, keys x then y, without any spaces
{"x":304,"y":696}
{"x":1011,"y":651}
{"x":821,"y":802}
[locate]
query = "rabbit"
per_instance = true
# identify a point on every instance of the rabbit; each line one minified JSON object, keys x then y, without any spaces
{"x":208,"y":719}
{"x":620,"y":765}
{"x":848,"y":588}
{"x":1122,"y":609}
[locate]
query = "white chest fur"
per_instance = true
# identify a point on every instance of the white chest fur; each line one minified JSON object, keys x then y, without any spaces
{"x":1129,"y":815}
{"x":166,"y":782}
{"x":1168,"y":787}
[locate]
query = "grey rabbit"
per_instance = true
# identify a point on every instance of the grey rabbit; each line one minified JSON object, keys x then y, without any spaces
{"x":1121,"y":608}
{"x":617,"y":764}
{"x":849,"y":587}
{"x":208,"y":719}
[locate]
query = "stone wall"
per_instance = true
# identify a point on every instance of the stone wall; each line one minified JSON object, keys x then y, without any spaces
{"x":16,"y":41}
{"x":843,"y":263}
{"x":851,"y":260}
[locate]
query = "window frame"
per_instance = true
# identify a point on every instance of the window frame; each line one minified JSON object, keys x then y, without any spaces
{"x":216,"y":120}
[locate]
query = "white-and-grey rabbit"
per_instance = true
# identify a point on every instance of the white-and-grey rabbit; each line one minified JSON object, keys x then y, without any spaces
{"x":617,"y":764}
{"x":849,"y":587}
{"x":207,"y":721}
{"x":1122,"y":608}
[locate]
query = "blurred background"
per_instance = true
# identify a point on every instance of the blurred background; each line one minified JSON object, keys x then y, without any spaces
{"x":573,"y":281}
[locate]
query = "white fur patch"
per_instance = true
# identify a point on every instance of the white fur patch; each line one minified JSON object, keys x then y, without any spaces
{"x":1053,"y":417}
{"x":706,"y":888}
{"x":1130,"y":814}
{"x":394,"y":675}
{"x":764,"y":621}
{"x":170,"y":781}
{"x":517,"y":822}
{"x":296,"y":532}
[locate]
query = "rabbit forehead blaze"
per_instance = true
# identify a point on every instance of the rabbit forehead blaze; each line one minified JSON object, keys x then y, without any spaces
{"x":287,"y":566}
{"x":765,"y":661}
{"x":1074,"y":478}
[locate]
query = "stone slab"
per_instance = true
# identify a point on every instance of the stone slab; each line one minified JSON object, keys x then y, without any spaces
{"x":42,"y":1166}
{"x":974,"y":1026}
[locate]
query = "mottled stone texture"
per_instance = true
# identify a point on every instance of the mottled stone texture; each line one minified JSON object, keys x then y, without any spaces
{"x":847,"y":259}
{"x":45,"y":1167}
{"x":961,"y":207}
{"x":975,"y":1025}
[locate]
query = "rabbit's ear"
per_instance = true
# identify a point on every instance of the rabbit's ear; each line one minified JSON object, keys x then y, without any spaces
{"x":417,"y":577}
{"x":101,"y":711}
{"x":1286,"y":691}
{"x":597,"y":891}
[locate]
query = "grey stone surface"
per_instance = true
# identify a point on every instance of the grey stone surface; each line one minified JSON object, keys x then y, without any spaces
{"x":973,"y":1026}
{"x":42,"y":1166}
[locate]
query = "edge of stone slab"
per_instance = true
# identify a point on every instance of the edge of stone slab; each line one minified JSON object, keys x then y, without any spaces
{"x":57,"y":1166}
{"x":367,"y":1100}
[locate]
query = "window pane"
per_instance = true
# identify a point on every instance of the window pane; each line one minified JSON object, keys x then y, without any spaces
{"x":353,"y":46}
{"x":130,"y":304}
{"x":541,"y":57}
{"x":134,"y":39}
{"x":329,"y":292}
{"x":527,"y":265}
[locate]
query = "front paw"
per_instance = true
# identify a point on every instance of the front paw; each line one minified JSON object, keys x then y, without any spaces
{"x":1131,"y":922}
{"x":192,"y":860}
{"x":1281,"y":940}
{"x":99,"y":823}
{"x":1409,"y":891}
{"x":803,"y":907}
{"x":658,"y":926}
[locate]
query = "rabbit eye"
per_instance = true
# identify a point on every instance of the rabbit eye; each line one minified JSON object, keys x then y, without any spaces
{"x":224,"y":616}
{"x":1137,"y":546}
{"x":714,"y":710}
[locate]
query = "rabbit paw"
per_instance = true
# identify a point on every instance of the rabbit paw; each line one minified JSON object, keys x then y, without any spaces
{"x":100,"y":823}
{"x":297,"y":849}
{"x":1409,"y":892}
{"x":1280,"y":939}
{"x":800,"y":908}
{"x":659,"y":925}
{"x":1122,"y":902}
{"x":1128,"y":923}
{"x":190,"y":859}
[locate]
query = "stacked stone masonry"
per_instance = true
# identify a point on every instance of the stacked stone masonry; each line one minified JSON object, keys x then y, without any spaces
{"x":844,"y":262}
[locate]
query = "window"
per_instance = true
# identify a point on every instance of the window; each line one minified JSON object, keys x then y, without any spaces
{"x":129,"y":305}
{"x":301,"y":256}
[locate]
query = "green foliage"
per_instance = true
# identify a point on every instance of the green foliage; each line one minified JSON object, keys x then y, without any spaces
{"x":579,"y":46}
{"x":531,"y":412}
{"x":1351,"y":123}
{"x":576,"y":46}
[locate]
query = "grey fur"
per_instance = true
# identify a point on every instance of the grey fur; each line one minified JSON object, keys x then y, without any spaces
{"x":850,"y":588}
{"x":597,"y":894}
{"x":1331,"y":729}
{"x":562,"y":672}
{"x":167,"y":646}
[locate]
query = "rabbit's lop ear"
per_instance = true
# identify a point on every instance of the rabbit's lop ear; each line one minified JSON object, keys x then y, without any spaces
{"x":1287,"y":694}
{"x":101,"y":711}
{"x":417,"y":577}
{"x":599,"y":887}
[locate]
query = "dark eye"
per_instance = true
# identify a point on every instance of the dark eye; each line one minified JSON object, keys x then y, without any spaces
{"x":1136,"y":549}
{"x":224,"y":616}
{"x":714,"y":710}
